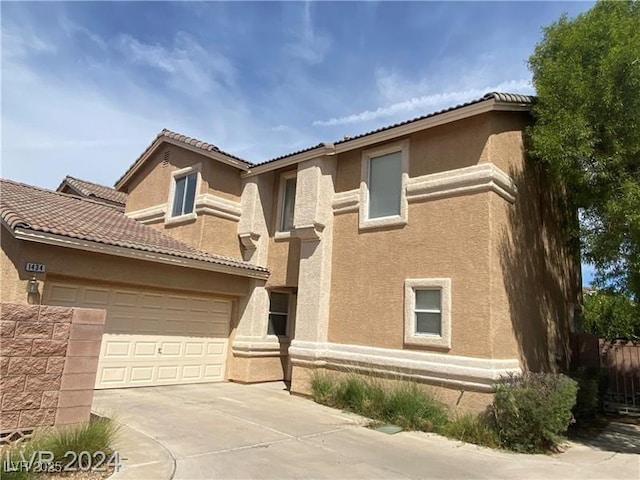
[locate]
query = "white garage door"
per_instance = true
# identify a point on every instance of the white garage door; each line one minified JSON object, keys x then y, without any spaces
{"x":153,"y":338}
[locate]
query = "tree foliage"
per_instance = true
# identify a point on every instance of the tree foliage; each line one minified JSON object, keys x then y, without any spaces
{"x":611,"y":315}
{"x":586,"y":72}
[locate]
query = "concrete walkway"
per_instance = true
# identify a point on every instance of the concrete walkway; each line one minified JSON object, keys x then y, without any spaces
{"x":235,"y":431}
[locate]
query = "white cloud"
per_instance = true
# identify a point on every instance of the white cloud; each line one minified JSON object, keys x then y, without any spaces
{"x":188,"y":65}
{"x":310,"y":45}
{"x":21,"y":43}
{"x":432,"y":101}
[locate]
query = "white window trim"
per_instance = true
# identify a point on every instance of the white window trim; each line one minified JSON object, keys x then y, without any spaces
{"x":290,"y":316}
{"x":393,"y":220}
{"x":282,"y":234}
{"x":168,"y":219}
{"x":422,"y":339}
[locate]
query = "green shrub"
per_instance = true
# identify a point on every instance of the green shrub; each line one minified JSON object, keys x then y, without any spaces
{"x":588,"y":397}
{"x":96,"y":435}
{"x":413,"y":409}
{"x":321,"y":388}
{"x":351,"y":394}
{"x":472,"y":428}
{"x":533,"y":411}
{"x":400,"y":403}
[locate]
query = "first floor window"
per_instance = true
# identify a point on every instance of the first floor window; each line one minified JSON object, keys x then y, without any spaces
{"x":278,"y":314}
{"x":184,"y":194}
{"x":428,"y":312}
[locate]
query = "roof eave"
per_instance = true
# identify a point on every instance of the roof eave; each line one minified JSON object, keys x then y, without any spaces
{"x":319,"y":151}
{"x":95,"y":247}
{"x":490,"y":104}
{"x":215,"y":155}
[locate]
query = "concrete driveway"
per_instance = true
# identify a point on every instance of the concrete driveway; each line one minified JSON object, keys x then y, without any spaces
{"x":230,"y":431}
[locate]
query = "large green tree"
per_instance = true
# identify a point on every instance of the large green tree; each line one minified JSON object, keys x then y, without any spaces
{"x":586,"y":72}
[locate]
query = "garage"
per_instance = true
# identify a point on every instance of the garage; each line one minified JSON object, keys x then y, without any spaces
{"x":153,"y":337}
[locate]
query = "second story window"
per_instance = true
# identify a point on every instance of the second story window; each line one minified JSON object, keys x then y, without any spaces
{"x":383,"y":196}
{"x":385,"y":185}
{"x":287,"y":202}
{"x":184,"y":194}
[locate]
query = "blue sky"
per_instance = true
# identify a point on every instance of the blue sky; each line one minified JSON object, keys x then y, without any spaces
{"x":87,"y":86}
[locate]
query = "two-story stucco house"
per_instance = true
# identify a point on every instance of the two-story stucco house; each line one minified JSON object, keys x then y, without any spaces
{"x":431,"y":250}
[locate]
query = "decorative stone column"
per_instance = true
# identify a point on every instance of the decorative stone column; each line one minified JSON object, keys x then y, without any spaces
{"x":314,"y":226}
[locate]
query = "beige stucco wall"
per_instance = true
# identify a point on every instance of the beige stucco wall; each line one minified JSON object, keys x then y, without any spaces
{"x":511,"y":273}
{"x":447,"y":238}
{"x":534,"y":272}
{"x":70,"y":263}
{"x":446,"y":147}
{"x":151,"y":185}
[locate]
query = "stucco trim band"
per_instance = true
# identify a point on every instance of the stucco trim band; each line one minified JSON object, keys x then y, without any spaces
{"x":478,"y":178}
{"x":67,"y":242}
{"x":345,"y":202}
{"x":205,"y":203}
{"x":259,"y":347}
{"x":478,"y":374}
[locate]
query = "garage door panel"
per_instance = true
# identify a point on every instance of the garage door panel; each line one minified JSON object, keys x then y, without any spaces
{"x":212,"y":372}
{"x":192,"y":372}
{"x":144,"y":349}
{"x":194,"y":349}
{"x":180,"y":304}
{"x":64,"y":295}
{"x":171,"y":349}
{"x":168,"y":373}
{"x":112,"y":376}
{"x":152,"y":338}
{"x":142,"y":374}
{"x":95,"y":296}
{"x":112,"y":348}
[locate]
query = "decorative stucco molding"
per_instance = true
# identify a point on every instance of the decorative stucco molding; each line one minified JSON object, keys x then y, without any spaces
{"x":205,"y":203}
{"x":345,"y":202}
{"x":149,"y":215}
{"x":478,"y":374}
{"x":218,"y":206}
{"x":309,"y":232}
{"x":259,"y":347}
{"x":478,"y":178}
{"x":249,"y":240}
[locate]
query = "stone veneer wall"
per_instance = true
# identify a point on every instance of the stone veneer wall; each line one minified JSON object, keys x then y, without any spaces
{"x":48,"y":365}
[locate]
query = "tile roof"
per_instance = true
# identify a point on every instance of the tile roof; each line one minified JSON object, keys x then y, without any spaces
{"x":40,"y":210}
{"x":497,"y":96}
{"x":94,"y":190}
{"x":194,"y":142}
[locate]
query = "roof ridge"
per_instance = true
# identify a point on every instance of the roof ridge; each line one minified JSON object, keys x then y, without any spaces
{"x":67,"y":195}
{"x":91,"y":183}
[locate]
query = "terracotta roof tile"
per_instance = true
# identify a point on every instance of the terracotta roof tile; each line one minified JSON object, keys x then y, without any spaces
{"x":194,"y":142}
{"x":94,"y":190}
{"x":37,"y":209}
